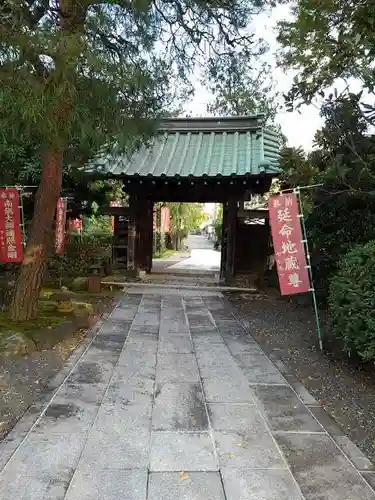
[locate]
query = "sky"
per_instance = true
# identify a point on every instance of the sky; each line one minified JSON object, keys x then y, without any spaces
{"x":299,"y":127}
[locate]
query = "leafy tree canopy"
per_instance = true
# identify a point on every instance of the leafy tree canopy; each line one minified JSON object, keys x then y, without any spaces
{"x":185,"y":217}
{"x":296,"y":168}
{"x":340,"y":211}
{"x":346,"y":149}
{"x":90,"y":74}
{"x":113,"y":64}
{"x":344,"y":154}
{"x":239,"y":88}
{"x":325,"y":41}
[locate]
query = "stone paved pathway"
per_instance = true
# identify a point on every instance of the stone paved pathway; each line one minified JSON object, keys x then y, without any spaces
{"x":173,"y":400}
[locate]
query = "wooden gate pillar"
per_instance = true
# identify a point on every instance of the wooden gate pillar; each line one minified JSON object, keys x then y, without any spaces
{"x":140,"y":234}
{"x":230,"y":229}
{"x":132,"y":233}
{"x":224,"y":241}
{"x":144,"y":230}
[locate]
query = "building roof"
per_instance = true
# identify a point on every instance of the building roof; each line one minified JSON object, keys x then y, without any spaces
{"x":197,"y":147}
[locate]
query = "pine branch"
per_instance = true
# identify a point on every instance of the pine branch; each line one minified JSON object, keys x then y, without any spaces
{"x":33,"y":16}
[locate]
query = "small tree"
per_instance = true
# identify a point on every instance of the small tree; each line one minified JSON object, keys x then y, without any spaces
{"x":184,"y":218}
{"x":324,"y":42}
{"x":238,"y":88}
{"x":92,"y":73}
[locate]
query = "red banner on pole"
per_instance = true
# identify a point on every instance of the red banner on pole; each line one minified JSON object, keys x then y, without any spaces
{"x":288,"y":245}
{"x":10,"y":226}
{"x":114,"y":203}
{"x":60,"y":226}
{"x":165,"y":220}
{"x":76,"y":225}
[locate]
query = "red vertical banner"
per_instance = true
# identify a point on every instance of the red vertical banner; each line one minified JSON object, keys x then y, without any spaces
{"x":10,"y":226}
{"x":288,"y":244}
{"x":165,"y":220}
{"x":114,"y":203}
{"x":76,"y":225}
{"x":60,"y":226}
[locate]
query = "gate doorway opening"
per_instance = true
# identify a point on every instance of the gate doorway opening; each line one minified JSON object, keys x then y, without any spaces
{"x":187,"y":238}
{"x":198,"y":160}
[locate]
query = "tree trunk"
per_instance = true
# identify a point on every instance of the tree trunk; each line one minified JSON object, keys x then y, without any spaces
{"x":175,"y":241}
{"x":24,"y":304}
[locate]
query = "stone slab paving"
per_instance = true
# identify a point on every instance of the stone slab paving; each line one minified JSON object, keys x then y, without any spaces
{"x":174,"y":400}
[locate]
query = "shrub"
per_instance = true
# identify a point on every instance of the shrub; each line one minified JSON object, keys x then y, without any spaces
{"x":218,"y":234}
{"x":352,"y":302}
{"x":160,"y":243}
{"x":80,"y":255}
{"x":333,"y":228}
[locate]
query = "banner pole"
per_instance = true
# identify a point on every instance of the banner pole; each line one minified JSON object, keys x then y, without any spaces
{"x":317,"y":319}
{"x":20,"y":190}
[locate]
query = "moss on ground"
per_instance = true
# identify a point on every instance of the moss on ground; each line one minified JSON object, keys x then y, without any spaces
{"x":46,"y":319}
{"x":49,"y":318}
{"x":164,"y":254}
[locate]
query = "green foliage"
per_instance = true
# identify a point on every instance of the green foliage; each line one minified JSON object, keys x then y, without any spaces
{"x":335,"y":39}
{"x":335,"y":225}
{"x":341,"y":211}
{"x":344,"y":157}
{"x":296,"y":167}
{"x":92,"y":75}
{"x":185,"y":217}
{"x":97,"y":226}
{"x":80,"y":254}
{"x":219,"y":226}
{"x":95,"y":77}
{"x":19,"y":161}
{"x":163,"y":254}
{"x":238,"y":88}
{"x":352,"y":302}
{"x":160,"y":242}
{"x":346,"y":151}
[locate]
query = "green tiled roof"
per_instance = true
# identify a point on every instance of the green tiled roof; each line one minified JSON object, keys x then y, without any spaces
{"x":199,"y":147}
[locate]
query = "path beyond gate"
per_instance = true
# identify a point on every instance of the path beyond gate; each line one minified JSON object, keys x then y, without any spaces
{"x":173,"y":400}
{"x":223,"y":160}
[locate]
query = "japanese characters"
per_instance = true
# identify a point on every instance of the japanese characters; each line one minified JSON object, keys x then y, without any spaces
{"x":10,"y":226}
{"x":287,"y":241}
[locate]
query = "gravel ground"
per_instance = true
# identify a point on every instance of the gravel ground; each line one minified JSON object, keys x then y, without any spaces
{"x":286,"y":331}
